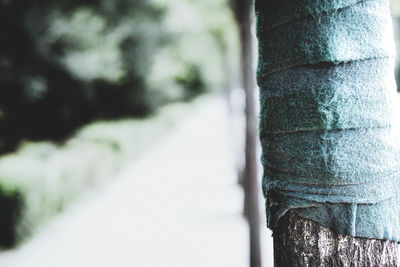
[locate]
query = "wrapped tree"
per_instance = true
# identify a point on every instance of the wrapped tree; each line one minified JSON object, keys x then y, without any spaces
{"x":330,"y":145}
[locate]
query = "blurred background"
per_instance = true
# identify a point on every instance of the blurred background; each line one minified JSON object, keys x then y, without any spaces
{"x":128,"y":134}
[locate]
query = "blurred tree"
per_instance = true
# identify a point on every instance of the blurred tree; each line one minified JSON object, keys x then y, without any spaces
{"x":64,"y":63}
{"x":242,"y":10}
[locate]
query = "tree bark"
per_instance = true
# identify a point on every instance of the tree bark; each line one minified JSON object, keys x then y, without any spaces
{"x":302,"y":242}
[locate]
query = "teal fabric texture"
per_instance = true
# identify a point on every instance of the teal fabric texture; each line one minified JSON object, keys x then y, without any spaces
{"x":348,"y":95}
{"x":329,"y":125}
{"x":353,"y":33}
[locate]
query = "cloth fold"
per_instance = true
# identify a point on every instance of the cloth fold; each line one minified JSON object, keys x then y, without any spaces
{"x":331,"y":157}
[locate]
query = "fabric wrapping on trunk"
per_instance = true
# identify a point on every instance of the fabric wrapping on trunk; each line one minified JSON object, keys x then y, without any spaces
{"x":329,"y":124}
{"x":356,"y":32}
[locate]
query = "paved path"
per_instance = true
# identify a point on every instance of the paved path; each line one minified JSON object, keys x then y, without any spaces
{"x":178,"y":206}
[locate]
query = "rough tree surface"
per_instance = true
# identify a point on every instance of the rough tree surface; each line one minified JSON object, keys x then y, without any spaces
{"x":302,"y":242}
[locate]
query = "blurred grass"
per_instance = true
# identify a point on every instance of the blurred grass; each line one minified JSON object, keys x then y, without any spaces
{"x":40,"y":179}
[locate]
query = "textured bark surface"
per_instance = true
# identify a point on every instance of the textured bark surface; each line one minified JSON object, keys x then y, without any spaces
{"x":302,"y":242}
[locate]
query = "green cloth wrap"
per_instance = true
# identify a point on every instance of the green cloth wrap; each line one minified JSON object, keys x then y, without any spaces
{"x":271,"y":13}
{"x":358,"y":32}
{"x":330,"y":140}
{"x":331,"y":157}
{"x":349,"y":95}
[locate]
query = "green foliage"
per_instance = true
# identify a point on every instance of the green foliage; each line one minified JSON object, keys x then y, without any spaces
{"x":40,"y":179}
{"x":64,"y":63}
{"x":11,"y":203}
{"x":201,"y":42}
{"x":191,"y":79}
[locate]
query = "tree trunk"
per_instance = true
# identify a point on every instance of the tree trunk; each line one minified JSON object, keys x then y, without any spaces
{"x":302,"y":242}
{"x":243,"y":11}
{"x":311,"y":56}
{"x":250,"y":174}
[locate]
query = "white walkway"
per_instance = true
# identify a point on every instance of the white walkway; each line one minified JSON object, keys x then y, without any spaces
{"x":179,"y":206}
